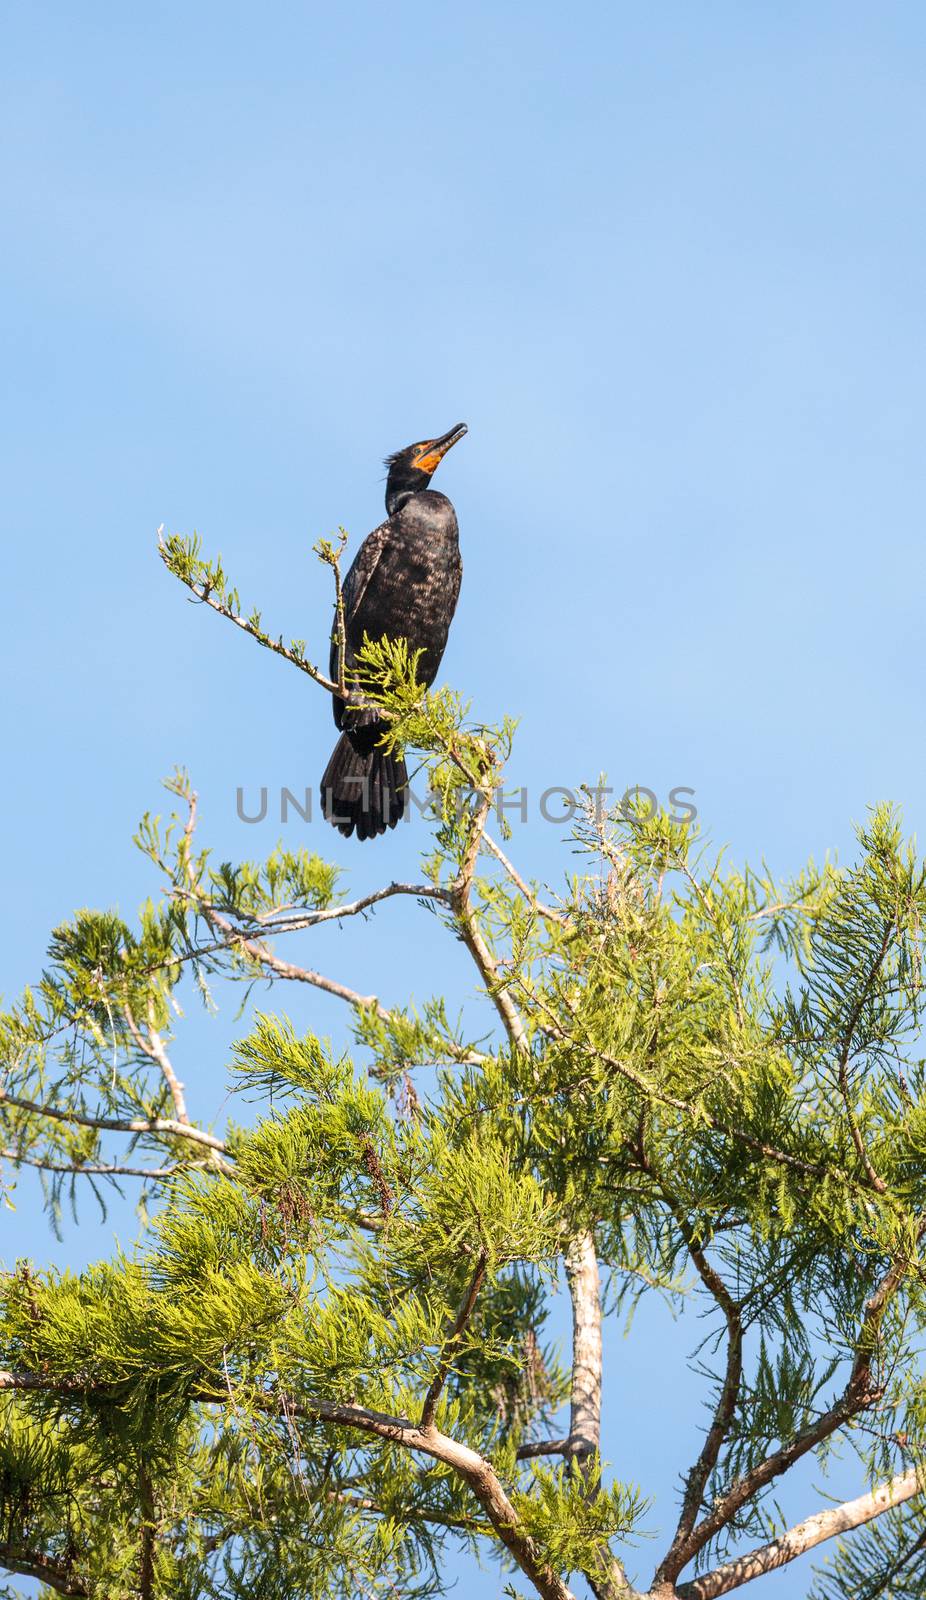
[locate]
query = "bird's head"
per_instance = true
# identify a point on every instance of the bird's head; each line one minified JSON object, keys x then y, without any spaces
{"x":410,"y":470}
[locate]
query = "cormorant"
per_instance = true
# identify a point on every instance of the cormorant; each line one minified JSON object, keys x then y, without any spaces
{"x":404,"y":584}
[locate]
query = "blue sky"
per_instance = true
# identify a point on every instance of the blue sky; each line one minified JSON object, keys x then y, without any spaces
{"x":666,"y":261}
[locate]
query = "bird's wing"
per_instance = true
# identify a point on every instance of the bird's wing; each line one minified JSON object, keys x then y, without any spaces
{"x":364,"y":565}
{"x":354,"y":588}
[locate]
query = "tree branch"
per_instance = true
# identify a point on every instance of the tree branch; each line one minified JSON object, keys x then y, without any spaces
{"x":801,"y":1538}
{"x":860,"y":1393}
{"x":153,"y":1048}
{"x":274,"y":922}
{"x":443,"y":1519}
{"x":263,"y":956}
{"x":547,"y":912}
{"x":471,"y":934}
{"x":542,"y":1447}
{"x":452,"y":1341}
{"x":166,"y":1125}
{"x":39,"y":1382}
{"x":33,"y":1565}
{"x":98,"y":1169}
{"x":203,"y":593}
{"x":146,"y":1555}
{"x":693,"y":1499}
{"x":340,"y":625}
{"x":873,"y":1313}
{"x":275,"y":967}
{"x":473,"y":1468}
{"x":847,"y":1406}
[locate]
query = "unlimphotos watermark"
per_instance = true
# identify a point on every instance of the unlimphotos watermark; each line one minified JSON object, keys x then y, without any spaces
{"x":557,"y":804}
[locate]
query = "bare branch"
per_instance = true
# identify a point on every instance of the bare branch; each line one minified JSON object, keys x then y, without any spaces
{"x":860,"y":1393}
{"x":153,"y":1047}
{"x":545,"y":911}
{"x":39,"y":1382}
{"x":585,"y":1400}
{"x":471,"y":934}
{"x":542,"y":1447}
{"x":166,"y":1125}
{"x":273,"y":965}
{"x":100,"y":1169}
{"x":847,"y":1406}
{"x":874,"y":1309}
{"x":202,"y":593}
{"x":606,"y":1578}
{"x":272,"y":923}
{"x":30,"y":1564}
{"x":693,"y":1499}
{"x":801,"y":1538}
{"x":261,"y":954}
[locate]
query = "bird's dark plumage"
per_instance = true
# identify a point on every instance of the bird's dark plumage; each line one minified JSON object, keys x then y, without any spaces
{"x":403,"y":584}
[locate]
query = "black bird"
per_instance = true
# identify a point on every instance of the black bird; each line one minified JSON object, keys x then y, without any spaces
{"x":403,"y":584}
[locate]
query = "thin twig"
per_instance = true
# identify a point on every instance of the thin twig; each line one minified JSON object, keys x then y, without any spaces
{"x":842,"y":1068}
{"x":340,"y":625}
{"x":102,"y":1169}
{"x":203,"y":593}
{"x":548,"y":913}
{"x":443,"y":1519}
{"x":453,"y":1340}
{"x":471,"y":933}
{"x":273,"y":922}
{"x":166,"y":1125}
{"x":262,"y":956}
{"x":676,"y":1557}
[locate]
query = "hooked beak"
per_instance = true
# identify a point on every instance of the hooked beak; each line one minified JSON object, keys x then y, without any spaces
{"x":433,"y":452}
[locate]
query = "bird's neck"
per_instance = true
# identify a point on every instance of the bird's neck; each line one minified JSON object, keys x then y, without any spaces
{"x":403,"y":482}
{"x":398,"y":497}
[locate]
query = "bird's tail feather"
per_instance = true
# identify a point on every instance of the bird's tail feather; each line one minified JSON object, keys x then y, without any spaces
{"x":363,"y":789}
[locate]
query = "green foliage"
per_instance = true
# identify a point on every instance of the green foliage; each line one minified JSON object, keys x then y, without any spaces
{"x":572,"y":1524}
{"x":717,"y":1074}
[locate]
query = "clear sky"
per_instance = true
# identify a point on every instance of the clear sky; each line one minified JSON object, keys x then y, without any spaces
{"x":667,"y":261}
